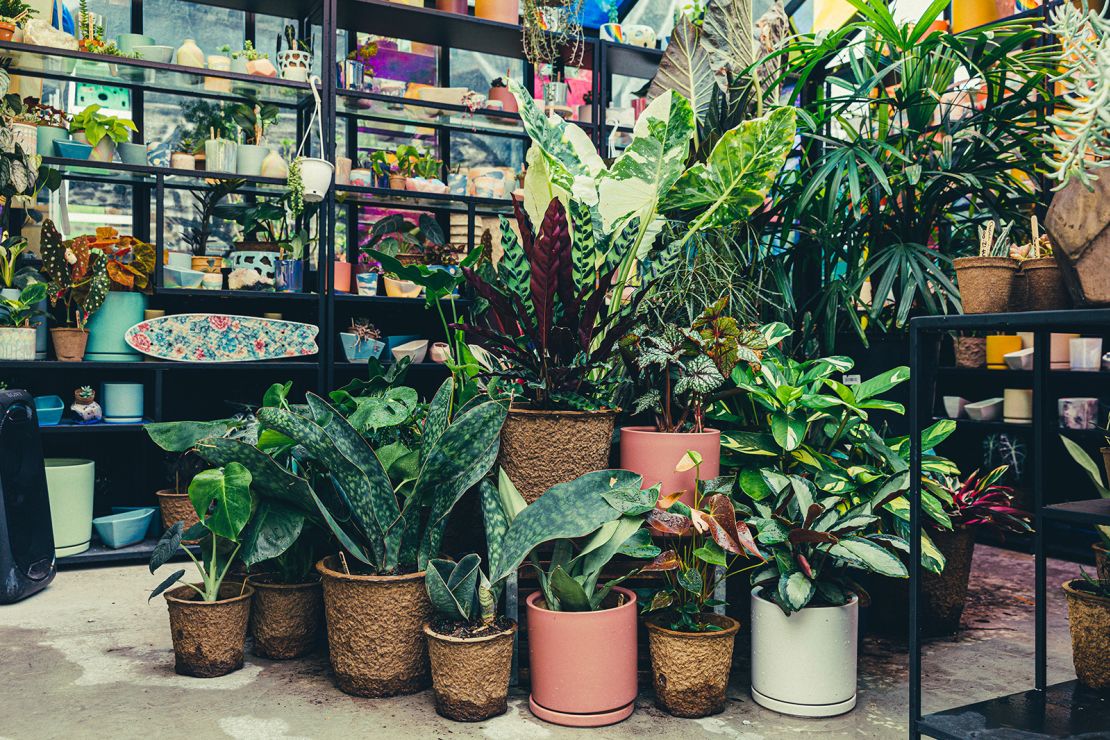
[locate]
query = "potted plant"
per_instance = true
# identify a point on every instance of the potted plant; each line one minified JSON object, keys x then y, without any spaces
{"x":17,"y":336}
{"x":101,"y":132}
{"x":289,"y":267}
{"x":1089,"y":619}
{"x":208,"y":620}
{"x":130,"y":268}
{"x":250,"y":61}
{"x":361,"y":341}
{"x":252,"y":117}
{"x":1039,"y":274}
{"x":204,"y":206}
{"x":18,"y":269}
{"x":499,"y":90}
{"x":183,"y":156}
{"x":52,"y":125}
{"x":13,"y":13}
{"x":78,"y":284}
{"x":179,"y":438}
{"x":295,"y":62}
{"x":691,"y":646}
{"x":986,"y":281}
{"x":672,"y":372}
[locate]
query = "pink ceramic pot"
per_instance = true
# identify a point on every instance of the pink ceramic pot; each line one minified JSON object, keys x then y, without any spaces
{"x":341,"y":277}
{"x":503,"y":94}
{"x":453,"y":6}
{"x":583,"y":664}
{"x":654,"y":455}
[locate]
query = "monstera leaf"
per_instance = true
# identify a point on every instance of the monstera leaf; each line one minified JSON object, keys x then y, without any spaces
{"x":686,"y":69}
{"x":739,"y":173}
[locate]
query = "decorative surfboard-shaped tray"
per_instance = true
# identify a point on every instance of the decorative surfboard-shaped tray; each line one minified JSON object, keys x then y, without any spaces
{"x":214,"y":337}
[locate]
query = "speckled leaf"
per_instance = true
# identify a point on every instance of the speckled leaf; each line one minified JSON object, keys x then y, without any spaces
{"x":439,"y":413}
{"x":272,"y":530}
{"x":512,"y":268}
{"x":179,"y":436}
{"x":686,"y":69}
{"x":268,"y":478}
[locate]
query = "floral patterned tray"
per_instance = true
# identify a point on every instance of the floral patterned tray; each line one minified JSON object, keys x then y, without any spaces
{"x":207,"y":337}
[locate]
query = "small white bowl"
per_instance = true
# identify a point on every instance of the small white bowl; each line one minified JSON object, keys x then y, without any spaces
{"x":1020,"y":360}
{"x":414,"y":350}
{"x":954,"y":406}
{"x":986,"y":410}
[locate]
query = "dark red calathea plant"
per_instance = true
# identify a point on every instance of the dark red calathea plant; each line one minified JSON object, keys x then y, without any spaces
{"x":545,"y":328}
{"x":981,"y":501}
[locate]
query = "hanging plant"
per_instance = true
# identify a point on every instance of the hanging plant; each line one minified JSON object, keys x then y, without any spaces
{"x":551,"y":26}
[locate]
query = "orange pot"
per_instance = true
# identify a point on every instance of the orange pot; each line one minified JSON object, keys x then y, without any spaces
{"x":502,"y":11}
{"x":654,"y":455}
{"x":341,"y":277}
{"x":508,"y":100}
{"x":7,"y":30}
{"x":583,"y":664}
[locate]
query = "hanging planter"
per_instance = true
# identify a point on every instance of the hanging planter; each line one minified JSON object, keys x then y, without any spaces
{"x":314,"y":175}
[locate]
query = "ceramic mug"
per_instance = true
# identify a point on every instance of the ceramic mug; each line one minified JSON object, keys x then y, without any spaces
{"x":1078,"y":413}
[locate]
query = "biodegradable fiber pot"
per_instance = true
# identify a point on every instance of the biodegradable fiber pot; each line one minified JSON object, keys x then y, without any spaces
{"x":822,"y":638}
{"x":542,"y":448}
{"x":985,"y":283}
{"x":654,"y":455}
{"x":1044,"y":285}
{"x":376,"y":631}
{"x":69,"y":344}
{"x":286,"y":619}
{"x":583,"y":664}
{"x":1089,"y":619}
{"x":176,"y":507}
{"x":470,"y":675}
{"x":208,"y":636}
{"x":690,"y":669}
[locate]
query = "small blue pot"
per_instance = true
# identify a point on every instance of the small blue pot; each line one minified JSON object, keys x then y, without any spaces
{"x":72,"y":149}
{"x":49,"y":410}
{"x":125,"y":528}
{"x":155,"y":528}
{"x":360,"y":351}
{"x":289,"y":275}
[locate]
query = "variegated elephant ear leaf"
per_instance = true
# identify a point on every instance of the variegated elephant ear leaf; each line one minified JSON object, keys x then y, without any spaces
{"x":686,"y":69}
{"x":568,"y":149}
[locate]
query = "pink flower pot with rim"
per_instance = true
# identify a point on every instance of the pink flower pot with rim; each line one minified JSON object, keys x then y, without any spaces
{"x":341,"y":277}
{"x":654,"y":455}
{"x":583,"y":664}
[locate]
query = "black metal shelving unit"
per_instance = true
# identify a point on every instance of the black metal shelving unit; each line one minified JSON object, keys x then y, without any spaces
{"x":1061,"y":710}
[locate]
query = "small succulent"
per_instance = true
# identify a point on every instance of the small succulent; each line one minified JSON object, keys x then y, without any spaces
{"x":460,"y":591}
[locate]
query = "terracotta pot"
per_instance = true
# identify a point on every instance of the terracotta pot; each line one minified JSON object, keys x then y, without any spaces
{"x":508,"y":100}
{"x":985,"y":283}
{"x":942,"y":596}
{"x":453,"y":6}
{"x":1044,"y":285}
{"x":470,"y":676}
{"x":69,"y":344}
{"x":654,"y":455}
{"x":286,"y":619}
{"x":690,"y":669}
{"x":1089,"y":619}
{"x":176,"y":507}
{"x":208,"y":637}
{"x":542,"y":448}
{"x":502,"y":11}
{"x":397,"y":182}
{"x":1102,"y":562}
{"x":376,"y":631}
{"x":341,"y":277}
{"x":7,"y":30}
{"x":583,"y":664}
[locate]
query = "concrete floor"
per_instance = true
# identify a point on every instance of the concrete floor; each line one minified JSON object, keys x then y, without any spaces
{"x":88,"y":658}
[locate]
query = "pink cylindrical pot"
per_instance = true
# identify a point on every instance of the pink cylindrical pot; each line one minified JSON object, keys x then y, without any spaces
{"x":654,"y":455}
{"x":503,"y":94}
{"x":453,"y":6}
{"x":583,"y":664}
{"x":341,"y":277}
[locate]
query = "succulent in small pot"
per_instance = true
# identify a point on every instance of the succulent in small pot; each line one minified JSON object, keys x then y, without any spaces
{"x":208,"y":620}
{"x":101,"y":132}
{"x":470,"y":648}
{"x":691,"y":648}
{"x":17,"y":336}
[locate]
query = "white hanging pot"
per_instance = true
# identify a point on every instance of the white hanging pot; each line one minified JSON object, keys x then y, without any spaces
{"x":316,"y":175}
{"x":294,"y":64}
{"x":822,"y":638}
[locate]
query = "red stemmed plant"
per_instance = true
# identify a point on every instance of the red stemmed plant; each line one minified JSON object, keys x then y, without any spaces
{"x":981,"y":501}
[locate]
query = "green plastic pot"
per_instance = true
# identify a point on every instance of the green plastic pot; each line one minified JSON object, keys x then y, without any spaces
{"x":69,"y":486}
{"x":121,"y":310}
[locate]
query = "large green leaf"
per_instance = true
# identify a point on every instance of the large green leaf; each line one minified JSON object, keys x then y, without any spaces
{"x":881,"y":383}
{"x":686,"y":69}
{"x":179,"y":436}
{"x":866,"y":555}
{"x":222,"y":498}
{"x":738,"y":174}
{"x":570,"y":153}
{"x":571,"y":594}
{"x":272,"y":530}
{"x":727,"y":35}
{"x":1089,"y":467}
{"x":268,"y":478}
{"x":787,"y":430}
{"x":651,"y":163}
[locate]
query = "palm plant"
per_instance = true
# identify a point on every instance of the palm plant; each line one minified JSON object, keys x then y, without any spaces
{"x":901,"y":161}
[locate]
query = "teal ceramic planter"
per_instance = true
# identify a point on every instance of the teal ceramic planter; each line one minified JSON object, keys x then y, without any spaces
{"x":69,"y":486}
{"x":121,"y":311}
{"x":122,"y":402}
{"x":125,"y":528}
{"x":133,"y":154}
{"x":45,"y":138}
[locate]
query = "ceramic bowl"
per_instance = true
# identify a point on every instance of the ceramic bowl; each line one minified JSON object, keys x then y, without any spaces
{"x":179,"y":277}
{"x":360,"y":352}
{"x":155,"y":53}
{"x":987,"y":410}
{"x":49,"y":410}
{"x":397,"y":340}
{"x":155,"y":528}
{"x":125,"y":528}
{"x":1020,"y":360}
{"x":72,"y":149}
{"x":414,"y":350}
{"x":401,"y":288}
{"x":954,"y":406}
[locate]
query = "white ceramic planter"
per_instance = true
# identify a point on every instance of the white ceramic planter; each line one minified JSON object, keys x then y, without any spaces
{"x":294,"y":64}
{"x":954,"y":406}
{"x":316,"y":174}
{"x":220,"y":155}
{"x":219,"y":63}
{"x":823,"y":639}
{"x":1017,"y":405}
{"x":1086,"y":354}
{"x":69,"y":486}
{"x":17,"y":343}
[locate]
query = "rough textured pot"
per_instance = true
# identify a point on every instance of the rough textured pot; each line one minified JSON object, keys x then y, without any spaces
{"x":176,"y":507}
{"x":690,"y":669}
{"x":208,"y":637}
{"x":654,"y":455}
{"x":502,"y":11}
{"x":69,"y":487}
{"x":286,"y":619}
{"x":17,"y":343}
{"x":470,"y":676}
{"x":822,"y":638}
{"x":120,"y":311}
{"x":1044,"y":285}
{"x":248,"y":159}
{"x":376,"y":631}
{"x":69,"y":344}
{"x":1089,"y":619}
{"x":397,"y":182}
{"x":542,"y":448}
{"x":583,"y":664}
{"x":971,"y":351}
{"x":985,"y":283}
{"x":1102,"y":561}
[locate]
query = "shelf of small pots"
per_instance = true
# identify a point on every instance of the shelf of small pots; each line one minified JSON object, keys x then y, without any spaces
{"x":130,"y":271}
{"x":581,"y":633}
{"x":208,"y":620}
{"x":17,"y":335}
{"x":82,"y":280}
{"x":101,"y":132}
{"x":691,"y":646}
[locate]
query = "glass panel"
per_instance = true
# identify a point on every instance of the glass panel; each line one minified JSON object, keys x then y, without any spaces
{"x":213,"y":27}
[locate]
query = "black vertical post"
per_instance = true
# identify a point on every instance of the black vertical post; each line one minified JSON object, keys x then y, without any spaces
{"x":917,"y":385}
{"x":1042,"y":417}
{"x":327,"y":251}
{"x":159,"y":236}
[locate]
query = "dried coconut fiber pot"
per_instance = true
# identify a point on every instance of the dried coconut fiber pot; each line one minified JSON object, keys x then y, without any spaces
{"x":542,"y":448}
{"x":690,"y":669}
{"x":985,"y":283}
{"x":176,"y":507}
{"x":971,"y":351}
{"x":286,"y":619}
{"x":1089,"y":619}
{"x":208,"y":636}
{"x":470,"y":675}
{"x":1102,"y":562}
{"x":375,"y":630}
{"x":1044,"y":285}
